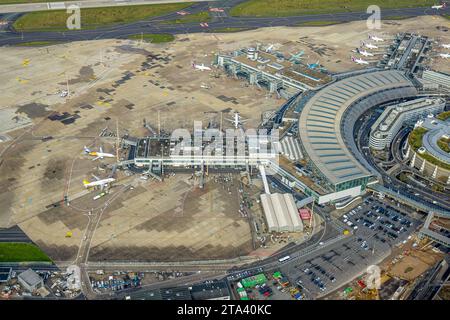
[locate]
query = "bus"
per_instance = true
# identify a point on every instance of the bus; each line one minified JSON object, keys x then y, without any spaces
{"x":284,"y":259}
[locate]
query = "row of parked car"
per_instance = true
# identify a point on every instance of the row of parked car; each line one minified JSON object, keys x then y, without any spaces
{"x":315,"y":276}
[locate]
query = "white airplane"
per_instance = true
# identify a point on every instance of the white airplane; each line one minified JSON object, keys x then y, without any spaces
{"x":375,"y":38}
{"x":200,"y":67}
{"x":364,"y":53}
{"x":98,"y":155}
{"x":99,"y":182}
{"x":446,"y":46}
{"x":237,"y":120}
{"x":370,"y":46}
{"x":359,"y":61}
{"x":444,"y":55}
{"x":439,"y":6}
{"x":269,"y":48}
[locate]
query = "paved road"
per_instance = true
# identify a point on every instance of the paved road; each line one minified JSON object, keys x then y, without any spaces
{"x":154,"y":25}
{"x":47,"y":6}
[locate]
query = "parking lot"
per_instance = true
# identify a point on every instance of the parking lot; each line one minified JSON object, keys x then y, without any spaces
{"x":376,"y":227}
{"x":382,"y":222}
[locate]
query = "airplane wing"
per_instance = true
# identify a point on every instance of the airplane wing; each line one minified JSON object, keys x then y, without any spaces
{"x":101,"y":150}
{"x":96,"y":178}
{"x":96,"y":158}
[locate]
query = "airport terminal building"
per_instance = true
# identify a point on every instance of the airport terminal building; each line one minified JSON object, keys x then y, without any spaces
{"x":326,"y":128}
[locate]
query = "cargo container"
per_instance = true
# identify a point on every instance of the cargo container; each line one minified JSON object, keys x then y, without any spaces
{"x":277,"y":275}
{"x":253,"y":281}
{"x":361,"y":284}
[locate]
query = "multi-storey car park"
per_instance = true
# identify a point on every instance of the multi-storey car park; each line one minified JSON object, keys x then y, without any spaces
{"x":428,"y":149}
{"x":401,"y":114}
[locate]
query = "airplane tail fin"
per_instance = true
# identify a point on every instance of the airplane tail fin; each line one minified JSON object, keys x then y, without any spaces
{"x":85,"y":182}
{"x":353,"y":58}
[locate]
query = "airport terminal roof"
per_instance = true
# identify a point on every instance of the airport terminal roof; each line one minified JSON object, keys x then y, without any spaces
{"x":321,"y":118}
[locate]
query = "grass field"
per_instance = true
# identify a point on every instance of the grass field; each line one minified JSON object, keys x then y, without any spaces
{"x":37,"y":43}
{"x":444,"y":115}
{"x":318,"y":23}
{"x":415,"y":137}
{"x":94,"y":17}
{"x":196,"y":17}
{"x":443,"y":144}
{"x":21,"y":252}
{"x":229,"y":29}
{"x":153,"y":37}
{"x":285,"y":8}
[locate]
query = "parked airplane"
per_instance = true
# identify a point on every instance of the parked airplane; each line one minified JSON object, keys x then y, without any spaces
{"x":200,"y":67}
{"x":296,"y":56}
{"x":439,"y":6}
{"x":444,"y":55}
{"x":370,"y":46}
{"x":313,"y":65}
{"x":216,"y":10}
{"x":364,"y":53}
{"x":446,"y":46}
{"x":237,"y":120}
{"x":269,"y":48}
{"x":375,"y":38}
{"x":359,"y":61}
{"x":98,"y":155}
{"x":99,"y":182}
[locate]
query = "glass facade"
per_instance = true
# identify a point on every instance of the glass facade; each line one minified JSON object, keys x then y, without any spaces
{"x":352,"y":183}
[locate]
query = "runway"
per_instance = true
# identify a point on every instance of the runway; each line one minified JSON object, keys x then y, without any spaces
{"x":10,"y":37}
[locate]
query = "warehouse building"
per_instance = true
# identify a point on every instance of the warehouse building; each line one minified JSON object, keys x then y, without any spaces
{"x":30,"y":280}
{"x":216,"y":290}
{"x":398,"y":115}
{"x":281,"y":213}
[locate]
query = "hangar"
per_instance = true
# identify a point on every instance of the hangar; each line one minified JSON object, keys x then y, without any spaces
{"x":281,"y":213}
